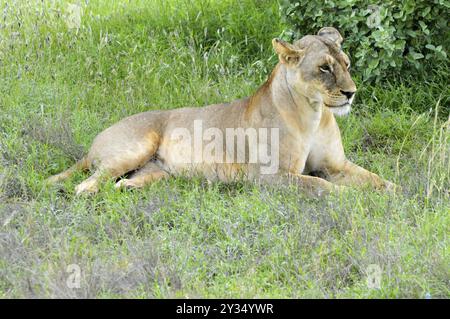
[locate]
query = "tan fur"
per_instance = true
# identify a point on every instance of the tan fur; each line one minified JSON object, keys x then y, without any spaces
{"x":298,"y":99}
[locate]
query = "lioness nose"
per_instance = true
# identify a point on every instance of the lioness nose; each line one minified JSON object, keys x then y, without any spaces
{"x":348,"y":94}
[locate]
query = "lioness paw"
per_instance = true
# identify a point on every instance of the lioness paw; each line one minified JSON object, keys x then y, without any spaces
{"x":86,"y":187}
{"x":126,"y":183}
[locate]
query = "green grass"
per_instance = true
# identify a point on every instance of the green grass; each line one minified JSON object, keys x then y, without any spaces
{"x":187,"y":238}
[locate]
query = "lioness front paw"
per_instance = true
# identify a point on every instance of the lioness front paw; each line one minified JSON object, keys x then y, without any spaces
{"x":327,"y":188}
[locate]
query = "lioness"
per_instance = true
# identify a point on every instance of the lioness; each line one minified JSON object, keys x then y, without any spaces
{"x":310,"y":83}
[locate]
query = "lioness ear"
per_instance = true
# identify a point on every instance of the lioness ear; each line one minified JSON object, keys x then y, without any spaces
{"x":331,"y":34}
{"x":287,"y":53}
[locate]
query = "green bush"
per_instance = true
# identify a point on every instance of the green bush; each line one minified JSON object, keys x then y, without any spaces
{"x":383,"y":38}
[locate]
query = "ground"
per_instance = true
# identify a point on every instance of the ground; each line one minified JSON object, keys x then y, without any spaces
{"x":61,"y":85}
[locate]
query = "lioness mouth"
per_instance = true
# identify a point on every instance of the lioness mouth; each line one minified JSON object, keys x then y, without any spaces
{"x":340,"y":110}
{"x":341,"y":105}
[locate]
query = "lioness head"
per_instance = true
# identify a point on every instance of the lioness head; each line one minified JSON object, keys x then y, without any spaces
{"x":318,"y":69}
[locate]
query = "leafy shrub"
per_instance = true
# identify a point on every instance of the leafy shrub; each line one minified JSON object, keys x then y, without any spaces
{"x":383,"y":38}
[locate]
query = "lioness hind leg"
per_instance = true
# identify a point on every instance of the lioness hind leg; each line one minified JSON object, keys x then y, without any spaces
{"x":80,"y":165}
{"x":113,"y":158}
{"x":147,"y":174}
{"x":89,"y":185}
{"x":138,"y":179}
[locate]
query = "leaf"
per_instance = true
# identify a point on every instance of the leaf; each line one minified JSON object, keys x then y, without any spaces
{"x":423,"y":25}
{"x":416,"y":55}
{"x":398,"y":14}
{"x":411,"y":33}
{"x":373,"y":63}
{"x":443,"y":53}
{"x":426,"y":11}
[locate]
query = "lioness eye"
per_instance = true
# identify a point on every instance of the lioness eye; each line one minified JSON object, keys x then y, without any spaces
{"x":325,"y":68}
